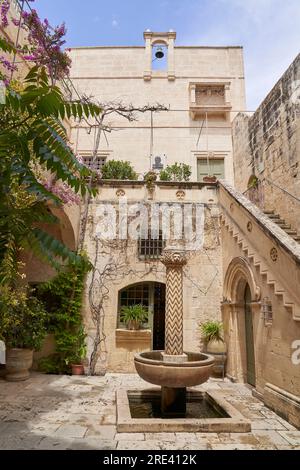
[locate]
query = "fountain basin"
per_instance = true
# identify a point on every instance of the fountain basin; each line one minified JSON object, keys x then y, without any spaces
{"x":195,"y":371}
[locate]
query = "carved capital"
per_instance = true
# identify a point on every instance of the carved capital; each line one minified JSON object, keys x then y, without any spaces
{"x":173,"y":258}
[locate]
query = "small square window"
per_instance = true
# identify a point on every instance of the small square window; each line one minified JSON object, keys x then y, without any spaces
{"x":151,"y":248}
{"x":94,"y":163}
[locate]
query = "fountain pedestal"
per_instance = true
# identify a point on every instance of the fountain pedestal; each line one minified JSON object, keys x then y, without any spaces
{"x":173,"y":402}
{"x":173,"y":369}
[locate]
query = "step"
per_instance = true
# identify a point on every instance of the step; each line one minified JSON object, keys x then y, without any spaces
{"x":280,"y":222}
{"x":296,"y":238}
{"x":274,"y":216}
{"x":268,"y":212}
{"x":284,"y":226}
{"x":291,"y":232}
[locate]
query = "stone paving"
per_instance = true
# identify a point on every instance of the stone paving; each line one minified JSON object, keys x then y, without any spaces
{"x":69,"y":412}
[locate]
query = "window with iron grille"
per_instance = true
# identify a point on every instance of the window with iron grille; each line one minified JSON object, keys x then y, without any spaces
{"x":94,"y":163}
{"x":151,"y":248}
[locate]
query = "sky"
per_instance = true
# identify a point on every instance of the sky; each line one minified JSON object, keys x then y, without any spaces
{"x":269,"y":30}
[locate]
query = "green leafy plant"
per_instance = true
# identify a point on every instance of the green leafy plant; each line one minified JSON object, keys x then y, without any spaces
{"x":33,"y":140}
{"x":134,"y":313}
{"x":22,"y":318}
{"x":118,"y":170}
{"x":212,"y":330}
{"x":65,"y":314}
{"x":176,"y":172}
{"x":253,"y":182}
{"x":150,"y":179}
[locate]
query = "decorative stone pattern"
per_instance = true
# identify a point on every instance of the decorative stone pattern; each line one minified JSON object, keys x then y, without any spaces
{"x":273,"y":254}
{"x":180,"y":194}
{"x":174,"y":261}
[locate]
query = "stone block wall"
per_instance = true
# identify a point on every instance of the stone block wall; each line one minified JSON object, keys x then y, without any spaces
{"x":118,"y":266}
{"x":267,"y":145}
{"x":112,"y":74}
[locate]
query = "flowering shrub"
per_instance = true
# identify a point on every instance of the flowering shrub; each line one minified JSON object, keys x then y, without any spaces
{"x":44,"y":42}
{"x":63,"y":191}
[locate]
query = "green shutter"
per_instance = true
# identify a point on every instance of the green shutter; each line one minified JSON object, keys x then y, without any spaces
{"x":216,"y":168}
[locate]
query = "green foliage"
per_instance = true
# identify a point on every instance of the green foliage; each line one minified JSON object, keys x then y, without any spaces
{"x":135,"y":312}
{"x":22,"y":319}
{"x":65,"y":317}
{"x":253,"y":182}
{"x":52,"y":365}
{"x":118,"y":170}
{"x":212,"y":330}
{"x":33,"y":136}
{"x":150,"y":179}
{"x":176,"y":172}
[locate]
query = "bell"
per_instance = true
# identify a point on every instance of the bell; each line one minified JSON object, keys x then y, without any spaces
{"x":159,"y":54}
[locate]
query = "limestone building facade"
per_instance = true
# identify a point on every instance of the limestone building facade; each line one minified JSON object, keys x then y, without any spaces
{"x":245,"y":266}
{"x":202,"y":89}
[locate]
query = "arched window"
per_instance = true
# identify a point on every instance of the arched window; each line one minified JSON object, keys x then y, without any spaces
{"x":152,"y":295}
{"x":159,"y":56}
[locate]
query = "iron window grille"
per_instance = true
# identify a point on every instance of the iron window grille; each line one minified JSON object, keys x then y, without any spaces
{"x":94,"y":163}
{"x":151,"y":248}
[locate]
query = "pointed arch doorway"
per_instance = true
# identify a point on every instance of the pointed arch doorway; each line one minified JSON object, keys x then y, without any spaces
{"x":241,"y":310}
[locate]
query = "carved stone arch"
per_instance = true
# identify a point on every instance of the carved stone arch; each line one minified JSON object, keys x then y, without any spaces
{"x":67,"y":222}
{"x":238,"y":274}
{"x":160,"y":41}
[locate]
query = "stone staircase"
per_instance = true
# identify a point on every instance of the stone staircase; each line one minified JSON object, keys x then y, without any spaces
{"x":283,"y":225}
{"x":263,"y":269}
{"x":233,"y":204}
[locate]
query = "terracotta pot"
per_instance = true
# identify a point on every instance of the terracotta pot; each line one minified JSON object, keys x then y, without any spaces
{"x":77,"y":369}
{"x":209,"y":179}
{"x":218,"y":349}
{"x":18,"y":363}
{"x":133,"y":325}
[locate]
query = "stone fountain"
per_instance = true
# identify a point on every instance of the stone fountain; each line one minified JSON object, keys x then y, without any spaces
{"x":174,"y":369}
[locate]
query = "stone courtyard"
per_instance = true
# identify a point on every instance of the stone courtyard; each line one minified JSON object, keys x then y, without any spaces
{"x":69,"y":412}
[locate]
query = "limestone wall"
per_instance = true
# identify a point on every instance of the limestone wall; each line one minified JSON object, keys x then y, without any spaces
{"x":117,"y":74}
{"x":119,"y":266}
{"x":267,"y":145}
{"x":249,"y":242}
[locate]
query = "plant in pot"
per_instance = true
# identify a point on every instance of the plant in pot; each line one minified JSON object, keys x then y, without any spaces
{"x":209,"y":179}
{"x":150,"y":179}
{"x":212,"y":334}
{"x":134,"y":316}
{"x":74,"y":343}
{"x":22,"y":328}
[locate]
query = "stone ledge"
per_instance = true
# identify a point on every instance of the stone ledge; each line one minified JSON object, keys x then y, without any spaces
{"x":235,"y":423}
{"x":283,"y":403}
{"x":124,"y":335}
{"x":269,"y":227}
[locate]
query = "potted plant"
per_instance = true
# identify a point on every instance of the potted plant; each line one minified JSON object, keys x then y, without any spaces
{"x":134,"y":316}
{"x":212,"y":334}
{"x":22,"y":328}
{"x":77,"y":350}
{"x":209,"y":179}
{"x":150,"y":179}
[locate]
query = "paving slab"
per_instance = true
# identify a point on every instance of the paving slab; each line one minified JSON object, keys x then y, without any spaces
{"x":69,"y":412}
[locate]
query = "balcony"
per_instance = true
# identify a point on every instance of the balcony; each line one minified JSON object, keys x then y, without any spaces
{"x":209,"y":100}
